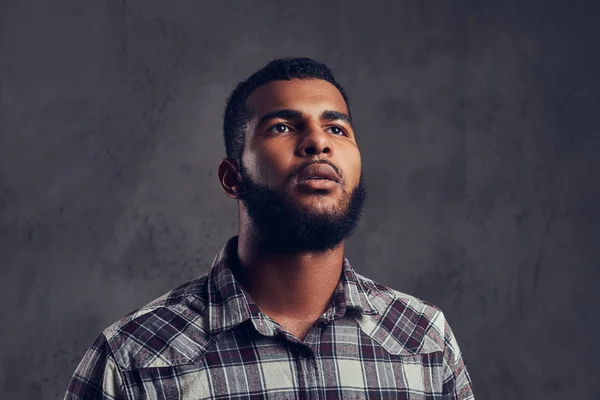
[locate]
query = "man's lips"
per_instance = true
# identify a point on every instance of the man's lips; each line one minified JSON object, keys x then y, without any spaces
{"x":318,"y":172}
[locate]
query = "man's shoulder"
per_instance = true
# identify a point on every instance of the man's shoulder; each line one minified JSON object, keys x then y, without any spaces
{"x":406,"y":323}
{"x":383,"y":297}
{"x":170,"y":330}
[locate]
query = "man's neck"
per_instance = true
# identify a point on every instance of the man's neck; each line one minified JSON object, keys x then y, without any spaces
{"x":291,"y":287}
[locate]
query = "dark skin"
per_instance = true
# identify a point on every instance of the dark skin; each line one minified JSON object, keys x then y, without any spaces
{"x":294,"y":289}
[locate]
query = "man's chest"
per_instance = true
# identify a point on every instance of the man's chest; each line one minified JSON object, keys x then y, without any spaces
{"x":342,"y":363}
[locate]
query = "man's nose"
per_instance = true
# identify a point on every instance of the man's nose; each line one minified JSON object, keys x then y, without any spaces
{"x":315,"y":141}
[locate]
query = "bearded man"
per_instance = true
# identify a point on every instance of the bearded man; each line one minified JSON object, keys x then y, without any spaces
{"x":282,"y":314}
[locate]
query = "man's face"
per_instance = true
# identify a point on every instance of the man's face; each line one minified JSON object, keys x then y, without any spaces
{"x":301,"y":180}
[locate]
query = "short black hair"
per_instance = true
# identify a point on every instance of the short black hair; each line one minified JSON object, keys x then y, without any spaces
{"x":237,"y":114}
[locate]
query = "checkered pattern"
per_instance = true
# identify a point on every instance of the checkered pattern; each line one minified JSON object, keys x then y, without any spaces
{"x":207,"y":339}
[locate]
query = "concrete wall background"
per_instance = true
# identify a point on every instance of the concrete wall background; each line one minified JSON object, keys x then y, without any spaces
{"x":478,"y":124}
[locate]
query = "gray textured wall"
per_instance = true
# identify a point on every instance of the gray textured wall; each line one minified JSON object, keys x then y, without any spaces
{"x":478,"y":125}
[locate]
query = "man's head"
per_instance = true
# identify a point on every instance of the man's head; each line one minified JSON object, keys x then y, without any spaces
{"x":292,"y":157}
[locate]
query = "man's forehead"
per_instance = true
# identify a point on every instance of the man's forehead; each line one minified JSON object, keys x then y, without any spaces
{"x":293,"y":94}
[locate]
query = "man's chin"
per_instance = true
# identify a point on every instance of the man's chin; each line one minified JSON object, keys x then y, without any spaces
{"x":319,"y":207}
{"x":318,"y":215}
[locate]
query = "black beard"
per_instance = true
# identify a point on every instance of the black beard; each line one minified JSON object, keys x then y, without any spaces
{"x":282,"y":227}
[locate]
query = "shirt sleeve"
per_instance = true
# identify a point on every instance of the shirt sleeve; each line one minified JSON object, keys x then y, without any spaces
{"x":97,"y":376}
{"x":457,"y":382}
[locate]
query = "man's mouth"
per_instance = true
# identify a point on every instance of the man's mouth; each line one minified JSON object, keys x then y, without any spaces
{"x":311,"y":184}
{"x":319,"y":172}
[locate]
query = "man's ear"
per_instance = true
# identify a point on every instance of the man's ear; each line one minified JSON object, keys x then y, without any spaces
{"x":229,"y":177}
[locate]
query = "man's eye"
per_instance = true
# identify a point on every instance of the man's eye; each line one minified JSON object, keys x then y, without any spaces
{"x":279,"y":128}
{"x":336,"y":130}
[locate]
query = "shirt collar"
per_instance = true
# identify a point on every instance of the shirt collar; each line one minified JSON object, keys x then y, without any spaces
{"x":229,"y":304}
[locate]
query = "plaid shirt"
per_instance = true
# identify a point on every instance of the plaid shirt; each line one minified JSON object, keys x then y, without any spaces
{"x":208,"y":339}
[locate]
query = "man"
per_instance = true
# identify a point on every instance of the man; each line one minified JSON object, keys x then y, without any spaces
{"x":282,"y":314}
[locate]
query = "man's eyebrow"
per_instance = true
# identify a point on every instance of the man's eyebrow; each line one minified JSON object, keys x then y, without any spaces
{"x":331,"y":115}
{"x":282,"y":114}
